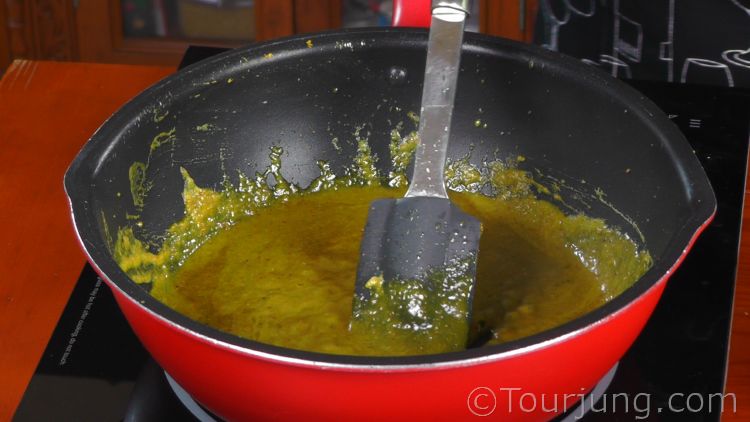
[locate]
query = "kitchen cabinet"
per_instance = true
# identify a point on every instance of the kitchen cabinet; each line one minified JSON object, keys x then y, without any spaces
{"x":119,"y":31}
{"x":512,"y":19}
{"x":105,"y":30}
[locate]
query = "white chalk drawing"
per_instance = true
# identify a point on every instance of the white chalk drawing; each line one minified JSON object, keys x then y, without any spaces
{"x":552,"y":23}
{"x":666,"y":54}
{"x":742,"y":4}
{"x":556,"y":13}
{"x":739,"y":58}
{"x":628,"y":41}
{"x":585,"y":8}
{"x":706,"y":67}
{"x":628,"y":36}
{"x":666,"y":48}
{"x":617,"y":66}
{"x":591,"y":62}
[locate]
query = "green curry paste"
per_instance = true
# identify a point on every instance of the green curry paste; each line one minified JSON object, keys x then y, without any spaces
{"x":276,"y":263}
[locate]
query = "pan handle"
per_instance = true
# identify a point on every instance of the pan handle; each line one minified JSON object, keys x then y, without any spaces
{"x":415,"y":13}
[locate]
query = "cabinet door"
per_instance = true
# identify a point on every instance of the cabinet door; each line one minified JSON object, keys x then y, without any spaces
{"x":159,"y":31}
{"x":36,"y":29}
{"x":5,"y":53}
{"x":512,"y":19}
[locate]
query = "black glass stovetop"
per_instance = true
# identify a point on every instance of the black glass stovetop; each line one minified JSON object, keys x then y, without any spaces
{"x":95,"y":369}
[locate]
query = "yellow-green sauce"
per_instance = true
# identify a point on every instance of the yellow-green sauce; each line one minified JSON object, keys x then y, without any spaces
{"x":276,"y":263}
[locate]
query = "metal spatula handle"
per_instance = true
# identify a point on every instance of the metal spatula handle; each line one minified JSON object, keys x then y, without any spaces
{"x":441,"y":73}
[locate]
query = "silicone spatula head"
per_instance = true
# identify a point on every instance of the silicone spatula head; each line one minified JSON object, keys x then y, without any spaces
{"x":418,"y":255}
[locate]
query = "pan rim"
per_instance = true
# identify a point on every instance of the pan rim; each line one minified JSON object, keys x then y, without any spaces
{"x":80,"y":174}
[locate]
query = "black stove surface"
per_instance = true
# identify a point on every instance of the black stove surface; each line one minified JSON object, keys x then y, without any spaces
{"x":94,"y":368}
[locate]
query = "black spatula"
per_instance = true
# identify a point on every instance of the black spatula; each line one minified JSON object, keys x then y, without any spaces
{"x":418,"y":255}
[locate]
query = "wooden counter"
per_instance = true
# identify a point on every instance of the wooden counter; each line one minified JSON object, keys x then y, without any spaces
{"x":47,"y":111}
